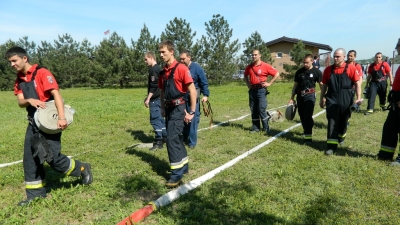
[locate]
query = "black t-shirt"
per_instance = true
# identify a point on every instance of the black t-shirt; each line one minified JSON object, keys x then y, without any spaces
{"x":307,"y":78}
{"x":152,"y":87}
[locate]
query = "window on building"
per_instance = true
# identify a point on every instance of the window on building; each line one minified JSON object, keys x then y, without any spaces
{"x":279,"y":55}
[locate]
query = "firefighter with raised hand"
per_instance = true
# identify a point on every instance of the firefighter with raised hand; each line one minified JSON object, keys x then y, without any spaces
{"x":337,"y":95}
{"x":33,"y":87}
{"x":391,"y":127}
{"x":378,"y":72}
{"x":175,"y":82}
{"x":304,"y":87}
{"x":256,"y":75}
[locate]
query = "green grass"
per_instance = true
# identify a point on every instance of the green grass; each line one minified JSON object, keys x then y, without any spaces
{"x":285,"y":182}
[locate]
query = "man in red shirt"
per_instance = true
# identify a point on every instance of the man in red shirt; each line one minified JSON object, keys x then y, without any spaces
{"x":33,"y":87}
{"x":391,"y":127}
{"x":376,"y":81}
{"x":174,"y":82}
{"x":337,"y":94}
{"x":351,"y":59}
{"x":256,"y":75}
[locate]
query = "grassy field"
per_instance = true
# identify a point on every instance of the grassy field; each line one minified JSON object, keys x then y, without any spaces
{"x":285,"y":182}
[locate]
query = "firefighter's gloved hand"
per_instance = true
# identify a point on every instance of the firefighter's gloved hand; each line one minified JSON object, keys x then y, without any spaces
{"x":41,"y":149}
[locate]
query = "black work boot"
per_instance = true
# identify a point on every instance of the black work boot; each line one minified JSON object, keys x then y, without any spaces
{"x":29,"y":200}
{"x":164,"y":140}
{"x":158,"y":144}
{"x":86,"y":174}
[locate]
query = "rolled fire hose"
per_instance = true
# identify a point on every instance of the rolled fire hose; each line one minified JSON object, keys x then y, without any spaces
{"x":47,"y":119}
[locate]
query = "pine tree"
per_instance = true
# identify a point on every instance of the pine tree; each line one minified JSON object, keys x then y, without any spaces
{"x":113,"y":57}
{"x":7,"y":73}
{"x":30,"y":48}
{"x":216,"y":52}
{"x":179,"y":32}
{"x":144,"y":44}
{"x":297,"y":55}
{"x":256,"y":42}
{"x":63,"y":60}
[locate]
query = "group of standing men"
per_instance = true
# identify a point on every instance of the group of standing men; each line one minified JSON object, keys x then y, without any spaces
{"x":174,"y":93}
{"x":340,"y":82}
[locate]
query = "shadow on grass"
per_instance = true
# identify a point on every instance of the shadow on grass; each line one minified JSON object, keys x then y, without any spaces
{"x":54,"y":180}
{"x":323,"y":207}
{"x":215,"y":207}
{"x":141,"y":136}
{"x":196,"y":208}
{"x":137,"y":187}
{"x":320,"y":125}
{"x":321,"y":146}
{"x":159,"y":166}
{"x":231,"y":124}
{"x":345,"y":151}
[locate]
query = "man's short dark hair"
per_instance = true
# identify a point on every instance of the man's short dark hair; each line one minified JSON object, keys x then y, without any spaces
{"x":185,"y":51}
{"x":16,"y":51}
{"x":309,"y":56}
{"x":169,"y":44}
{"x":258,"y":50}
{"x":355,"y":53}
{"x":315,"y":56}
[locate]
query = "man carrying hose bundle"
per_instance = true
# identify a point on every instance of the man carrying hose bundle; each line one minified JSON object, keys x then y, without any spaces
{"x":33,"y":87}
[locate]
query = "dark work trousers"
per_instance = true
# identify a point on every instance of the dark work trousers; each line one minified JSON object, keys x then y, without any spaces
{"x":258,"y":105}
{"x":337,"y":116}
{"x":190,"y":130}
{"x":34,"y":171}
{"x":156,"y":120}
{"x":177,"y":154}
{"x":390,"y":134}
{"x":305,"y":106}
{"x":380,"y":89}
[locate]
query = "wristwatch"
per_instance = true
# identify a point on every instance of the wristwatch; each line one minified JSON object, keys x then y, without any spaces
{"x":191,"y":113}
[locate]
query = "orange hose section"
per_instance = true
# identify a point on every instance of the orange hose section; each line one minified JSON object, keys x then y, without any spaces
{"x":137,"y":216}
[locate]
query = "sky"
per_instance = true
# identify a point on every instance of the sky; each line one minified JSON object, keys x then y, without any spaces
{"x":367,"y":26}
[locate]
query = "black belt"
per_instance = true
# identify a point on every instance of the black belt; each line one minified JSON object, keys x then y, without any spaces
{"x":256,"y":86}
{"x":306,"y":91}
{"x":174,"y":102}
{"x":379,"y":80}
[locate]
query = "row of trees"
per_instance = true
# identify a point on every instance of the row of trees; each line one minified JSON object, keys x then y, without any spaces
{"x":114,"y":62}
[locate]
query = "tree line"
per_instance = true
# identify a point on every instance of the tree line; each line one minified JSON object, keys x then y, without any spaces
{"x":114,"y":62}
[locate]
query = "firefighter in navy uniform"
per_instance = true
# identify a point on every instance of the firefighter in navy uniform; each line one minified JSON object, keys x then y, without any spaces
{"x":304,"y":87}
{"x":201,"y":85}
{"x":153,"y":102}
{"x":337,"y":94}
{"x":391,"y":127}
{"x":33,"y":87}
{"x":256,"y":75}
{"x":376,"y":81}
{"x":175,"y":82}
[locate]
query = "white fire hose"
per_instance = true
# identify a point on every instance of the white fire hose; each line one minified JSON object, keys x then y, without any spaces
{"x":46,"y":119}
